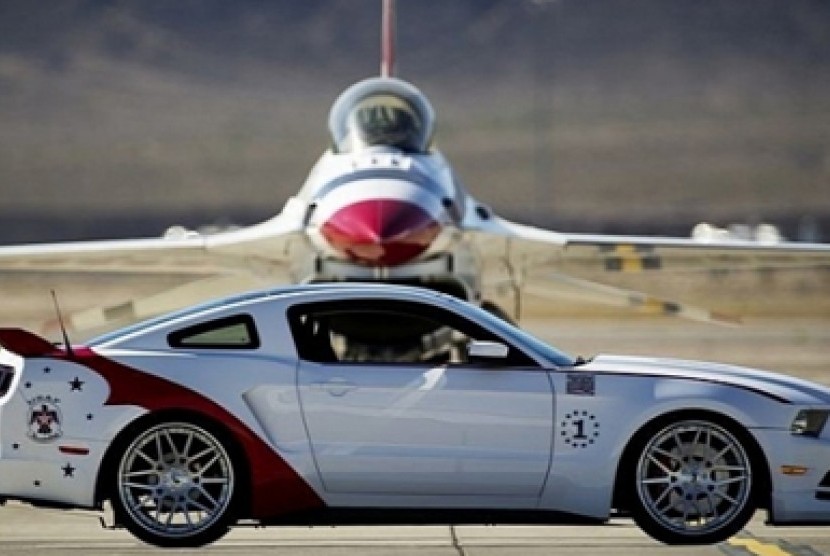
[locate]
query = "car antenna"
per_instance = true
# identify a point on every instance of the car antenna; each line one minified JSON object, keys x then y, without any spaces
{"x":60,"y":323}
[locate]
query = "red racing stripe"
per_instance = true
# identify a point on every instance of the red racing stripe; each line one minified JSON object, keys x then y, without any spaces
{"x":276,"y":488}
{"x":26,"y":344}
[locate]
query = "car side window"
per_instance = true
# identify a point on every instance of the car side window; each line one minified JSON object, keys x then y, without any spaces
{"x":372,"y":331}
{"x":234,"y":332}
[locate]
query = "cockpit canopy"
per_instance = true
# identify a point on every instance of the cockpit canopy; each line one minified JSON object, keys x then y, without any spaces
{"x":381,"y":111}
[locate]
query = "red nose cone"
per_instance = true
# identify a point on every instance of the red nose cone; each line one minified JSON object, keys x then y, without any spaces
{"x":381,"y":232}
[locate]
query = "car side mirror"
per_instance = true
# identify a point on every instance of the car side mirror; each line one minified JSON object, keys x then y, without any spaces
{"x":480,"y":349}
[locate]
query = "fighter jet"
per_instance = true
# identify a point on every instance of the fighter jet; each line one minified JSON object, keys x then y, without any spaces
{"x":382,"y":204}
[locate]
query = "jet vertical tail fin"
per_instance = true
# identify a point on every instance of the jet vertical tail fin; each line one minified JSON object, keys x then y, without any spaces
{"x":387,"y":59}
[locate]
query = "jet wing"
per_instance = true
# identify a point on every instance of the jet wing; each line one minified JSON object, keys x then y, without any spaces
{"x":558,"y":265}
{"x":261,"y":246}
{"x":113,"y":282}
{"x":133,"y":256}
{"x":535,"y":249}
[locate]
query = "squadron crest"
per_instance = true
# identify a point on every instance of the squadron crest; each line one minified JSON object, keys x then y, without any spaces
{"x":44,"y":418}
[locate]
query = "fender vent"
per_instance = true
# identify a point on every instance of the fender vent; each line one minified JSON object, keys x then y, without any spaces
{"x":6,"y":375}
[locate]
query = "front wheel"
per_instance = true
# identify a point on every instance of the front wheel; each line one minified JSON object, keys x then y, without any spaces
{"x":175,"y":485}
{"x":693,"y":483}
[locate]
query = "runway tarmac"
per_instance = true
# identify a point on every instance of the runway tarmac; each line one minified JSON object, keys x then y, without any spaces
{"x":28,"y":530}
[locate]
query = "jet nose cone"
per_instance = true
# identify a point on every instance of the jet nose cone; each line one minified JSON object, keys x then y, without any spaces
{"x":381,"y":232}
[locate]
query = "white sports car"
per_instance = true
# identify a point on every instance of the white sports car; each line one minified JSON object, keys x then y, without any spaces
{"x":383,"y":404}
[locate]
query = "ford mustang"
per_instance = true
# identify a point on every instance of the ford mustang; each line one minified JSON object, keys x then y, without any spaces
{"x":336,"y":404}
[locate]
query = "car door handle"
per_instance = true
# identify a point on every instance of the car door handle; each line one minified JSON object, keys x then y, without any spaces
{"x":336,"y":386}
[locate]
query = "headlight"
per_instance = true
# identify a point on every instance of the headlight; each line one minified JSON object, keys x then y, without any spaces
{"x":809,"y":422}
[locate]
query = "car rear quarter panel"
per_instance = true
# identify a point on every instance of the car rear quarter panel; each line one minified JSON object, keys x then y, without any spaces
{"x":54,"y":431}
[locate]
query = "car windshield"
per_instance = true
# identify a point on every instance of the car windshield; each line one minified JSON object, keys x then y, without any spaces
{"x":520,"y":337}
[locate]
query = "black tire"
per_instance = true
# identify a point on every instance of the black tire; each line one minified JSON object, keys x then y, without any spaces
{"x":691,"y":481}
{"x":175,"y":485}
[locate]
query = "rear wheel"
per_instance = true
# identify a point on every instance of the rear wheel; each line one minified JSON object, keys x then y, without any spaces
{"x":693,"y":483}
{"x":175,"y":485}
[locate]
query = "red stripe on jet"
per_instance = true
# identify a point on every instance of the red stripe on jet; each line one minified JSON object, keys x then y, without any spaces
{"x":381,"y":232}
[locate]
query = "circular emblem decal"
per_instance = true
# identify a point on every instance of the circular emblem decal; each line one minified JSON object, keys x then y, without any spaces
{"x":579,"y":429}
{"x":44,"y":418}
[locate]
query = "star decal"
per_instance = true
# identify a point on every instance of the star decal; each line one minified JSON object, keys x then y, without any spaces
{"x":76,"y":384}
{"x":68,"y":470}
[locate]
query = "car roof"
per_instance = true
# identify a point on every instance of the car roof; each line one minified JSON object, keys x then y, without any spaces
{"x":356,"y":288}
{"x":339,"y":287}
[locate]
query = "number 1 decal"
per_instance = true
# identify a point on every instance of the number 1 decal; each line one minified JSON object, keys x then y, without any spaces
{"x":579,"y":429}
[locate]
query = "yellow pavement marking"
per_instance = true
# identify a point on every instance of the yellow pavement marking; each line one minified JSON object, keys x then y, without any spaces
{"x":759,"y":548}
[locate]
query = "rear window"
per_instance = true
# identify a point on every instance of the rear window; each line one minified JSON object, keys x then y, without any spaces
{"x":235,"y":332}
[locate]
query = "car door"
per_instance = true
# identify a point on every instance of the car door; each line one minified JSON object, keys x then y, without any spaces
{"x":392,"y":407}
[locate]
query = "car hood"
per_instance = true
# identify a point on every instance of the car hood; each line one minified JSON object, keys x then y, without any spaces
{"x":789,"y":388}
